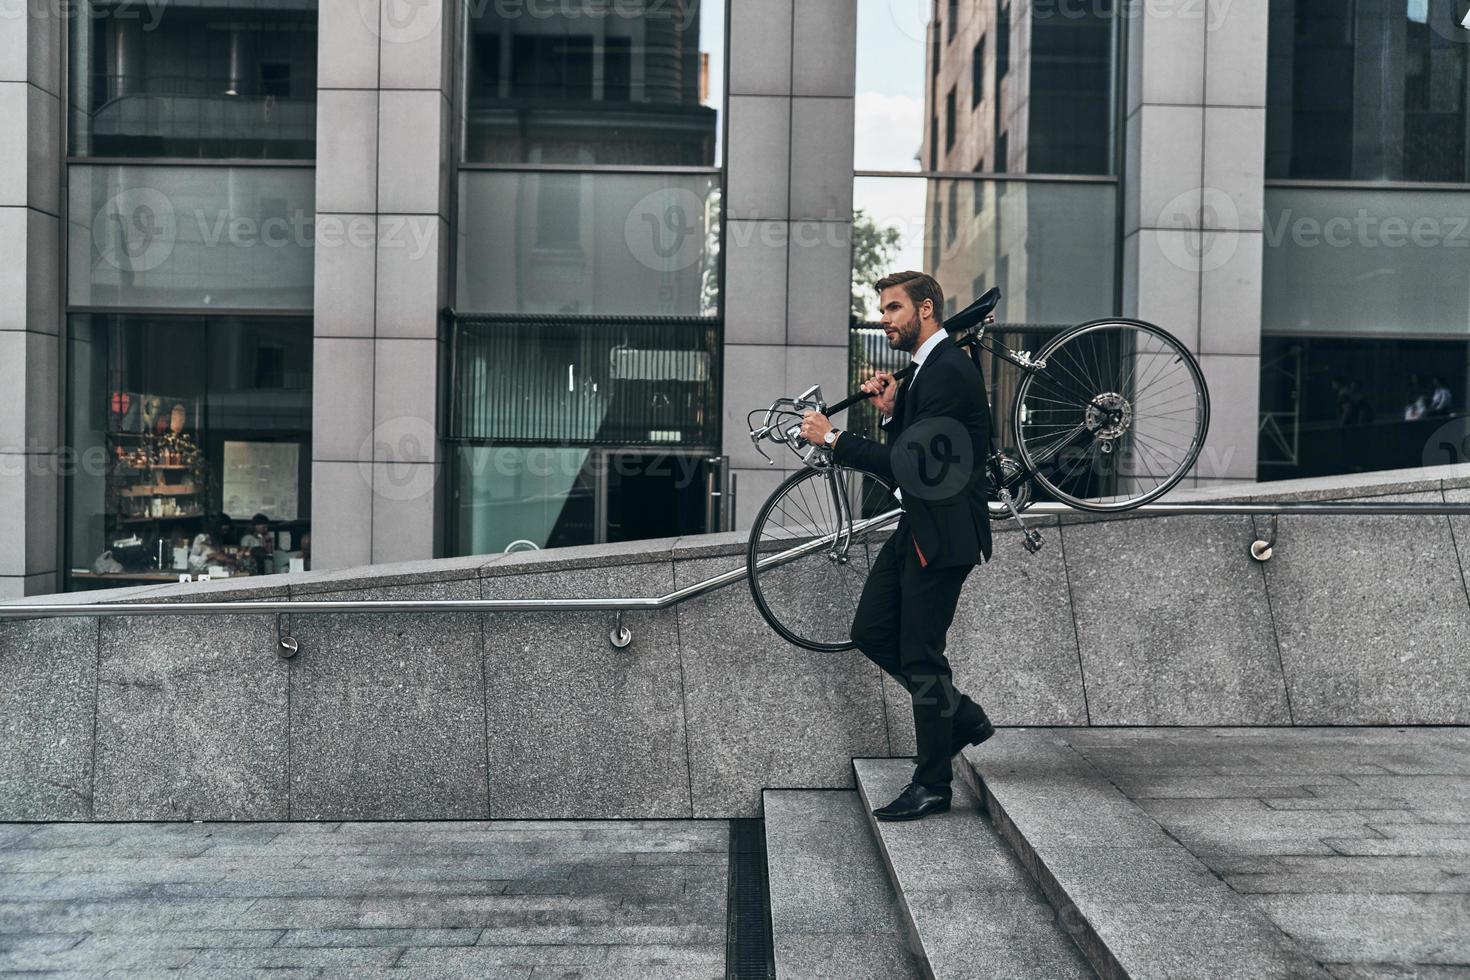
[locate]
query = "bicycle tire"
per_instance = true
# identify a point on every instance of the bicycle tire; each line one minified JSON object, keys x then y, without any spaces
{"x":832,"y":603}
{"x":1111,"y":409}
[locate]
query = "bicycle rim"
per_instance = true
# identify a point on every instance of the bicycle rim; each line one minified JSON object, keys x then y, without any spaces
{"x":810,"y":552}
{"x":1115,"y":419}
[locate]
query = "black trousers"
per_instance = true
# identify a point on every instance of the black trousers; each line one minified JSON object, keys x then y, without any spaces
{"x":901,"y":621}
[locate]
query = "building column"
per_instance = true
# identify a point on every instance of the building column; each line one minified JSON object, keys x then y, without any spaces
{"x":1193,"y":202}
{"x":30,"y":315}
{"x":788,"y":218}
{"x":382,"y":276}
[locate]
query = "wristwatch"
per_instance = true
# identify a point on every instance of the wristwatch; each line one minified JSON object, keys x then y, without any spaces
{"x":831,"y":437}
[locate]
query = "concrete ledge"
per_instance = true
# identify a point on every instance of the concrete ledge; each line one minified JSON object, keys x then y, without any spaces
{"x":1142,"y":906}
{"x":1356,"y":620}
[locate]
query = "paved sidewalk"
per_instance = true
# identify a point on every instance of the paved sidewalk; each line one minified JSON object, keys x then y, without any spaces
{"x":504,"y":899}
{"x":1355,"y":842}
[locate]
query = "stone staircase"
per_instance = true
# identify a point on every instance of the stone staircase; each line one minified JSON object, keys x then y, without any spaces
{"x":1043,"y":870}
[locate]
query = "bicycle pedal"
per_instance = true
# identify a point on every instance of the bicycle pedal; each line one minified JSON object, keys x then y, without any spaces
{"x":1032,"y":541}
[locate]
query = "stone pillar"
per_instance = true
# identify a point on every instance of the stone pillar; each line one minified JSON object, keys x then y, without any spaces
{"x":30,"y":297}
{"x":788,"y":217}
{"x":382,"y":178}
{"x":1193,"y":201}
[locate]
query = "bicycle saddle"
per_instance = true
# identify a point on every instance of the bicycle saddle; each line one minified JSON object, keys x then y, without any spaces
{"x":973,"y":314}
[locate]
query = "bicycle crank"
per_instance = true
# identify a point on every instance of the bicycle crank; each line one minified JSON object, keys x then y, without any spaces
{"x":1030,"y":537}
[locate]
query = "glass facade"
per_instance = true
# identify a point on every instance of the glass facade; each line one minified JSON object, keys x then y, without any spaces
{"x":595,"y":84}
{"x":189,"y":250}
{"x":1363,"y":90}
{"x":208,"y":81}
{"x":593,"y":243}
{"x":184,"y":428}
{"x":195,"y":238}
{"x":585,"y":346}
{"x":1355,"y":404}
{"x":1365,"y":311}
{"x":986,"y":85}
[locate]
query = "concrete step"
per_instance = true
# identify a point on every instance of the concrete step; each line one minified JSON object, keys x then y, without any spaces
{"x":833,"y":911}
{"x":971,"y":905}
{"x":1140,"y":904}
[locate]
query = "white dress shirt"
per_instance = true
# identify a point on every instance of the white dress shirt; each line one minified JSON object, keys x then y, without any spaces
{"x":921,"y":355}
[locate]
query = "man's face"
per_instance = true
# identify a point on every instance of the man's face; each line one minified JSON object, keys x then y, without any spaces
{"x":900,"y":319}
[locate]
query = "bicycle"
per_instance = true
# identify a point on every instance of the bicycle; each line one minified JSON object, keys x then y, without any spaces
{"x":1108,"y":415}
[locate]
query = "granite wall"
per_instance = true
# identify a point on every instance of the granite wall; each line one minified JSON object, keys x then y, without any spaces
{"x":1137,"y":621}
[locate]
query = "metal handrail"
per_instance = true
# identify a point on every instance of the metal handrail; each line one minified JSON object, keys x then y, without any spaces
{"x":620,"y":637}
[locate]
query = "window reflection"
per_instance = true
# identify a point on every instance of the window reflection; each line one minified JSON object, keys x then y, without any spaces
{"x":1048,"y":246}
{"x":945,"y":86}
{"x":1334,"y":405}
{"x":635,"y":82}
{"x":227,"y":80}
{"x":1367,"y":91}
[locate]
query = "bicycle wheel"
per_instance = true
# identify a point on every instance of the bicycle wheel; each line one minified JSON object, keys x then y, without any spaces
{"x":1116,"y":418}
{"x":810,"y":551}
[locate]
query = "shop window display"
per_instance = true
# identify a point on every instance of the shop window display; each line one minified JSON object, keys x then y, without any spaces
{"x":192,"y":448}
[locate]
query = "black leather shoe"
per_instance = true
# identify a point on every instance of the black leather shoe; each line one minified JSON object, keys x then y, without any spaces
{"x":974,"y":737}
{"x":914,"y":802}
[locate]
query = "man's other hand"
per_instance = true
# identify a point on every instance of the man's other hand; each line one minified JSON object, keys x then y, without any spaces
{"x":884,"y":391}
{"x":814,"y":427}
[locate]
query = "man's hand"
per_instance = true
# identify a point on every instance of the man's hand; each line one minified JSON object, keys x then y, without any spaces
{"x":884,"y":391}
{"x":814,"y":427}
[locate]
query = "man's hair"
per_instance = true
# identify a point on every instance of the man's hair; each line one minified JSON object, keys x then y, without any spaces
{"x":919,"y":286}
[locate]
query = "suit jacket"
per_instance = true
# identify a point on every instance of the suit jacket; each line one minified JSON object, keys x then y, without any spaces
{"x":954,"y":529}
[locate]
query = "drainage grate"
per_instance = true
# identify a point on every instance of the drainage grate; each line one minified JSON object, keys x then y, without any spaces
{"x":749,"y":951}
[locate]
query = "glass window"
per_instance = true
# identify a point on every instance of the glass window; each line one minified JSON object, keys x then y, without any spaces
{"x":224,"y":80}
{"x":584,"y":381}
{"x":1366,"y":262}
{"x":1333,"y":405}
{"x":184,"y":428}
{"x":1048,"y":246}
{"x":605,"y":84}
{"x":1054,"y":93}
{"x":1367,"y":91}
{"x":588,"y":243}
{"x":175,"y":237}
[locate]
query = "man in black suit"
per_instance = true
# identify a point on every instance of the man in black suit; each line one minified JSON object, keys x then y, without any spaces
{"x":938,"y":426}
